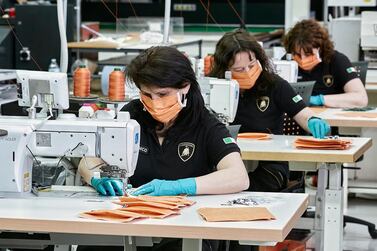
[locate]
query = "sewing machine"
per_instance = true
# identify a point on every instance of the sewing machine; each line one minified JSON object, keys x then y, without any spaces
{"x":286,"y":69}
{"x":23,"y":138}
{"x":221,"y":96}
{"x":368,"y":40}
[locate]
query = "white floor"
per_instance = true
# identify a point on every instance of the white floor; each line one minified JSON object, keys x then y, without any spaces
{"x":356,"y":237}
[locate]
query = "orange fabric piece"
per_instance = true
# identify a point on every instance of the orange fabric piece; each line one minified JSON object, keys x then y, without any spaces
{"x":358,"y":114}
{"x":254,"y":135}
{"x":146,"y":203}
{"x":143,"y":206}
{"x":151,"y":212}
{"x":169,"y":200}
{"x":111,"y":215}
{"x":322,"y":144}
{"x":235,"y":214}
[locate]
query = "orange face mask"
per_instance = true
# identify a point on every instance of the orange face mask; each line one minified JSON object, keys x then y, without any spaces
{"x":163,"y":109}
{"x":308,"y":63}
{"x":247,"y":79}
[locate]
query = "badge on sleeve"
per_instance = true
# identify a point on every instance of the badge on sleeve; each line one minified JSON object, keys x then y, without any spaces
{"x":186,"y":150}
{"x":263,"y":103}
{"x":328,"y":80}
{"x":229,"y":140}
{"x":297,"y":98}
{"x":351,"y":69}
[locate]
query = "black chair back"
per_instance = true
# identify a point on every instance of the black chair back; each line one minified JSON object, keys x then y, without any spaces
{"x":305,"y":89}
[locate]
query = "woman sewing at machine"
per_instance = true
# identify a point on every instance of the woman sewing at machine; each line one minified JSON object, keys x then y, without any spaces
{"x":183,"y":149}
{"x":337,"y":83}
{"x":264,"y":98}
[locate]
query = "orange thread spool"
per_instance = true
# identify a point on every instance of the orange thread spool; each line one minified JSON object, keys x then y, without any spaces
{"x":81,"y":82}
{"x":117,"y":85}
{"x":208,"y":61}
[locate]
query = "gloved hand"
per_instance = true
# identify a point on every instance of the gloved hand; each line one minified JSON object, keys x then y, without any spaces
{"x":167,"y":187}
{"x":107,"y":186}
{"x":317,"y":100}
{"x":319,"y":128}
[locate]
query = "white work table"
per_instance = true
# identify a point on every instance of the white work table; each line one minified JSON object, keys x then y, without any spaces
{"x":334,"y":117}
{"x":133,"y":45}
{"x":366,"y":127}
{"x":281,"y":148}
{"x":328,"y":221}
{"x":60,"y":216}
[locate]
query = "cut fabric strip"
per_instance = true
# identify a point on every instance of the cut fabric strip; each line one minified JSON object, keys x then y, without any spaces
{"x":254,"y":135}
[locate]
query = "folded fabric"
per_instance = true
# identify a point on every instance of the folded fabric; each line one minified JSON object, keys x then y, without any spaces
{"x":254,"y":135}
{"x":146,"y":203}
{"x":151,"y":212}
{"x":141,"y":207}
{"x":322,"y":144}
{"x":358,"y":114}
{"x":111,"y":215}
{"x":179,"y":201}
{"x":235,"y":214}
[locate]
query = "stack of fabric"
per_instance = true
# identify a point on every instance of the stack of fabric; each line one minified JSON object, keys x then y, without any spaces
{"x":322,"y":144}
{"x":141,"y":207}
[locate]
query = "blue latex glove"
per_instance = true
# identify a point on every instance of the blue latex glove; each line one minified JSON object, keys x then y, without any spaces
{"x":168,"y":187}
{"x":318,"y":127}
{"x":317,"y":100}
{"x":107,"y":186}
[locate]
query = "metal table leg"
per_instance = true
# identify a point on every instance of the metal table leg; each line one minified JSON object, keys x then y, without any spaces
{"x":333,"y":215}
{"x":62,"y":248}
{"x":192,"y":245}
{"x":329,"y":208}
{"x":129,"y":243}
{"x":319,"y":206}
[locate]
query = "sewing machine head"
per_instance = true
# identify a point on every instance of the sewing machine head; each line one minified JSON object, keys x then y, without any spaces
{"x":286,"y":69}
{"x":116,"y":141}
{"x":221,"y":96}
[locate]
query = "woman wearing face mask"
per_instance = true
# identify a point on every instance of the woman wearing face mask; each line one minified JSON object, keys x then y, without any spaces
{"x":183,"y":148}
{"x":337,"y":84}
{"x":264,"y":98}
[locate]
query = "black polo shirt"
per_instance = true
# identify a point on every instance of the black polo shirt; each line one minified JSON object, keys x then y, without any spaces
{"x":330,"y":78}
{"x":193,"y":146}
{"x":265,"y":112}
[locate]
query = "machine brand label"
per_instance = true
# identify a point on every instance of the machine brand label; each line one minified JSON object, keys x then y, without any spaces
{"x":186,"y":151}
{"x":8,"y":138}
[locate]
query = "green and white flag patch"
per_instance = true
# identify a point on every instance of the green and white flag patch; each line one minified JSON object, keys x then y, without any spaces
{"x":229,"y":140}
{"x":351,"y":69}
{"x":297,"y":98}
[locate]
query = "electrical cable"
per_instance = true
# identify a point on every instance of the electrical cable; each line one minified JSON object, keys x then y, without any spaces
{"x":238,"y":15}
{"x":210,"y":15}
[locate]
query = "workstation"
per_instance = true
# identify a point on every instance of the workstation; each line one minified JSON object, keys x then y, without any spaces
{"x":188,"y":125}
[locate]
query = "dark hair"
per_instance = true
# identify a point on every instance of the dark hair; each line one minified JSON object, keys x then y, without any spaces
{"x":241,"y":41}
{"x":164,"y":66}
{"x":309,"y":34}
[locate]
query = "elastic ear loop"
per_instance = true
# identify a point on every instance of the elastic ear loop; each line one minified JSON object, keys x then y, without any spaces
{"x":182,"y":99}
